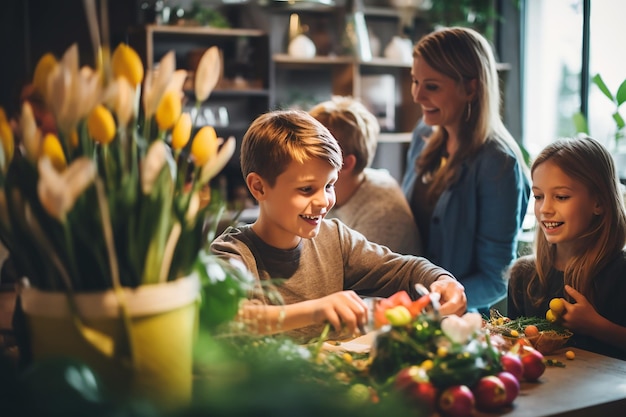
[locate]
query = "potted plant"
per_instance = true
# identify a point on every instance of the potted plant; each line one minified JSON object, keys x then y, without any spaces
{"x":106,"y":210}
{"x":617,"y":99}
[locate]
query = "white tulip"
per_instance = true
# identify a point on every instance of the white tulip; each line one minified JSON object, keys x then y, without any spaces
{"x":31,"y":135}
{"x":155,"y":160}
{"x":215,"y":165}
{"x":153,"y":89}
{"x":208,"y":73}
{"x":58,"y":192}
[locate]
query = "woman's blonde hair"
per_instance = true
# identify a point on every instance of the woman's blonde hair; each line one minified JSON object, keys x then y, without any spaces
{"x":354,"y":127}
{"x":587,"y":162}
{"x":277,"y":138}
{"x":463,"y":55}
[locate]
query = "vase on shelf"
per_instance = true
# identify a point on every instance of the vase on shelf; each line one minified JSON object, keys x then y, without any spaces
{"x":399,"y":49}
{"x":301,"y":46}
{"x":357,"y":37}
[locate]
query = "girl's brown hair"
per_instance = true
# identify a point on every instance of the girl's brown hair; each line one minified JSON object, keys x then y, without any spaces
{"x":586,"y":161}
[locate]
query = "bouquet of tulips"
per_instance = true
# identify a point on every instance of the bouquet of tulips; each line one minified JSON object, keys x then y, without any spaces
{"x":103,"y":181}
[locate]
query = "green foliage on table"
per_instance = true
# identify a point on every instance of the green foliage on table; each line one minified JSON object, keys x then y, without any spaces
{"x":422,"y":340}
{"x":235,"y":375}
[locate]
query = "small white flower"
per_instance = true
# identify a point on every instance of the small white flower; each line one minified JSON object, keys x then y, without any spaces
{"x":457,"y":329}
{"x":474,"y":321}
{"x":460,"y":329}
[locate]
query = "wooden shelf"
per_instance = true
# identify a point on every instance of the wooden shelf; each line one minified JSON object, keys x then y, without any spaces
{"x":318,"y":60}
{"x":202,"y":31}
{"x":402,"y":137}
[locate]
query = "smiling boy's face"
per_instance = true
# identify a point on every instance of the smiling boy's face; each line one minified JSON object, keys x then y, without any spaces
{"x":295,"y":206}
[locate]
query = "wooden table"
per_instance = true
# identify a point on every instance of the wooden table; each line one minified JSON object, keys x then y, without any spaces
{"x":590,"y":385}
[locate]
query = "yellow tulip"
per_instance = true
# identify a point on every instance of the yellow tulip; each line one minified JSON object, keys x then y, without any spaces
{"x":52,"y":148}
{"x":44,"y":68}
{"x":181,"y":132}
{"x":6,"y":140}
{"x":127,"y":63}
{"x":204,"y":145}
{"x":101,"y":125}
{"x":169,"y":110}
{"x":74,"y":139}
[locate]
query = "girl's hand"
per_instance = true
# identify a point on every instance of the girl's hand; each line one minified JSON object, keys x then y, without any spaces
{"x":344,"y":310}
{"x":579,"y":316}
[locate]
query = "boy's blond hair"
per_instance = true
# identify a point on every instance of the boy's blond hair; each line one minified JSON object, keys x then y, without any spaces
{"x":354,"y":127}
{"x":277,"y":138}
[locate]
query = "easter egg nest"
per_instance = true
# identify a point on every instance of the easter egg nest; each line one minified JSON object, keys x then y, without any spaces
{"x":547,"y":336}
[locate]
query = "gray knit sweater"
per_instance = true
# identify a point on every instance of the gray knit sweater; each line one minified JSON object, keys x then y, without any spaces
{"x":379,"y":210}
{"x":337,"y":259}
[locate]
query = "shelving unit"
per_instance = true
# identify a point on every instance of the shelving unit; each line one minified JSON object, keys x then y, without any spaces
{"x":261,"y":76}
{"x":244,"y":90}
{"x":305,"y":82}
{"x":245,"y":83}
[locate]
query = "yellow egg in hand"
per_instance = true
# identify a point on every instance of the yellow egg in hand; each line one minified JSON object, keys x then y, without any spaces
{"x":557,"y":306}
{"x":551,"y":317}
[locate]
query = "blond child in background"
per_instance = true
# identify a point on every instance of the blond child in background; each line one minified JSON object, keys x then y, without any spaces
{"x":369,"y":200}
{"x":290,"y":163}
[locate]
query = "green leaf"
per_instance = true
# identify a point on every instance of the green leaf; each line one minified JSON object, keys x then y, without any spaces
{"x":223,"y":287}
{"x":621,"y":94}
{"x":159,"y":209}
{"x":598,"y":81}
{"x":580,"y":123}
{"x":619,"y":120}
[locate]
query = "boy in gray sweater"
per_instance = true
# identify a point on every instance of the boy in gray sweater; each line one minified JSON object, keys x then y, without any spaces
{"x":290,"y":163}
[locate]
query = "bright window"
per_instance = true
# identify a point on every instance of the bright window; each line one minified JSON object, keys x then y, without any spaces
{"x":553,"y":66}
{"x":607,"y":58}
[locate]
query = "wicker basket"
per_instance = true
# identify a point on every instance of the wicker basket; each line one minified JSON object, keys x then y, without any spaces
{"x":548,"y":341}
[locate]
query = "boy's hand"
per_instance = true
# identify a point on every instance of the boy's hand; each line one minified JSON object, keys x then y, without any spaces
{"x":344,"y":310}
{"x":453,"y":299}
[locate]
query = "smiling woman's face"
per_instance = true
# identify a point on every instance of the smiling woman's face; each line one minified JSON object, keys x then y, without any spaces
{"x":442,"y":100}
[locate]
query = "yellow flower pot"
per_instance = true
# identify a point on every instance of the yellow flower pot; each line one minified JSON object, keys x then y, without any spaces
{"x":145,"y":336}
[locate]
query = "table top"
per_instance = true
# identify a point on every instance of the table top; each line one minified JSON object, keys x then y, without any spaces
{"x":589,"y":385}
